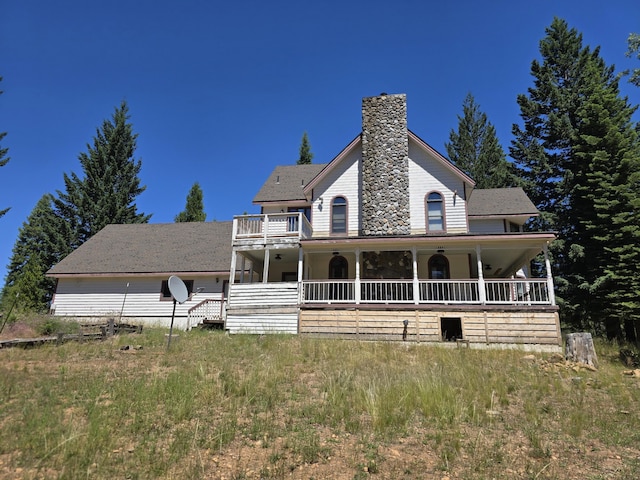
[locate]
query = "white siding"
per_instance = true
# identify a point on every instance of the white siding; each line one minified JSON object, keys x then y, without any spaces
{"x":344,"y":181}
{"x":263,"y":308}
{"x":426,"y":174}
{"x":486,"y":226}
{"x":92,"y":298}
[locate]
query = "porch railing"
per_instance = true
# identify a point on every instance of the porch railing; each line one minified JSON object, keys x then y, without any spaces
{"x":271,"y":225}
{"x":207,"y":310}
{"x":533,"y":291}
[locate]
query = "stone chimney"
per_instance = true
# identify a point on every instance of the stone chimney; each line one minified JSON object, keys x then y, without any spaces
{"x":385,"y":166}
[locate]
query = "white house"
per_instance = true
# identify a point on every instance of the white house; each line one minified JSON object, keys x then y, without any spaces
{"x":389,"y":240}
{"x":122,"y":273}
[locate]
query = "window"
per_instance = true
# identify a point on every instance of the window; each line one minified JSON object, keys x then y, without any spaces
{"x":338,"y":268}
{"x":438,"y":267}
{"x":165,"y":294}
{"x":435,"y":212}
{"x":305,"y":210}
{"x":339,"y":215}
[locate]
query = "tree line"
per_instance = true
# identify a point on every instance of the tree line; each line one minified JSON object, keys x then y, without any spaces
{"x":575,"y":151}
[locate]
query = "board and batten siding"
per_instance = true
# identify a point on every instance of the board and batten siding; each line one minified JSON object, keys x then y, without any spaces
{"x":98,"y":297}
{"x":427,"y":174}
{"x":261,"y":308}
{"x":342,"y":181}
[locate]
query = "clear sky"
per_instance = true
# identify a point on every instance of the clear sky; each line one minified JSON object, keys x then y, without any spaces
{"x":221,"y":92}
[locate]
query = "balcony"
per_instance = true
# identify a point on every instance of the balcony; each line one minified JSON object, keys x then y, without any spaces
{"x":529,"y":292}
{"x":270,"y":228}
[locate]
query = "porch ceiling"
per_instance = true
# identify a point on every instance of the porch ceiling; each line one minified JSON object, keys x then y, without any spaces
{"x":504,"y":254}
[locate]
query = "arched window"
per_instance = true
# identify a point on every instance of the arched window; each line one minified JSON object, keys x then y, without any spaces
{"x":338,"y":268}
{"x":339,"y":215}
{"x":438,"y":267}
{"x":435,"y":212}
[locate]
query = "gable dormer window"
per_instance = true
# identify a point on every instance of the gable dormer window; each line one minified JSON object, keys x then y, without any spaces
{"x":339,"y":215}
{"x":435,"y":212}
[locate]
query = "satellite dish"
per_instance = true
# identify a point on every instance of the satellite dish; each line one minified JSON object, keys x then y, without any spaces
{"x":178,"y":289}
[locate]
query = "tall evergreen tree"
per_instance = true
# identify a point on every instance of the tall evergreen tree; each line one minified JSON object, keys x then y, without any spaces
{"x":108,"y":190}
{"x":604,"y":208}
{"x":305,"y":151}
{"x":575,"y":152}
{"x":475,"y":149}
{"x":541,"y":148}
{"x":194,"y":210}
{"x":634,"y":50}
{"x":3,"y":157}
{"x":42,"y":242}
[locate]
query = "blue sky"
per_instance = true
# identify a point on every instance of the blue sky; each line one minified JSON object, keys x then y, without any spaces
{"x":221,"y":92}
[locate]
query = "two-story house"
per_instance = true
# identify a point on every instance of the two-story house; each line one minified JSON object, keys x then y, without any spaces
{"x":388,"y":240}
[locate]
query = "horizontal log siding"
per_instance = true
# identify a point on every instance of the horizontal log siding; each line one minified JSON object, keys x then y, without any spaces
{"x":500,"y":327}
{"x":263,"y":308}
{"x":426,"y":174}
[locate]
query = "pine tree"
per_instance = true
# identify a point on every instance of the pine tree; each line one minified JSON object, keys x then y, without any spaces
{"x":3,"y":157}
{"x":577,"y":151}
{"x":305,"y":151}
{"x":604,"y":208}
{"x":475,"y":149}
{"x":634,"y":50}
{"x":107,"y":191}
{"x":194,"y":210}
{"x":41,"y":243}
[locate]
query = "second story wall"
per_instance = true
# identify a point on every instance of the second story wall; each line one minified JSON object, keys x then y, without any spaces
{"x":427,"y":175}
{"x":344,"y":180}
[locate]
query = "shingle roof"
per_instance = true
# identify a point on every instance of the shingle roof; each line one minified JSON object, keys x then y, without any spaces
{"x":500,"y":202}
{"x":152,"y":248}
{"x":287,"y":182}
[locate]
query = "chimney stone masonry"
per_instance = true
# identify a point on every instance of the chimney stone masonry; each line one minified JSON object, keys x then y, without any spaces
{"x":385,"y":166}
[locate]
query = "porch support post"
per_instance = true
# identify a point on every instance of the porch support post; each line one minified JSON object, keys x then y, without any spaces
{"x":232,"y":269}
{"x":357,"y":292}
{"x":300,"y":267}
{"x":300,"y":264}
{"x":265,"y":270}
{"x":482,"y":294}
{"x":547,"y":265}
{"x":416,"y":284}
{"x":242,"y":266}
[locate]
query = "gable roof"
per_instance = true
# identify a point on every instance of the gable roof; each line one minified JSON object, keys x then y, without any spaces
{"x":500,"y":202}
{"x":287,"y":182}
{"x":357,"y":142}
{"x":151,"y":248}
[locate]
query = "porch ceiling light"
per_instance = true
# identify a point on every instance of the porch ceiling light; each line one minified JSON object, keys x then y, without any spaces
{"x":487,"y":267}
{"x":278,"y":256}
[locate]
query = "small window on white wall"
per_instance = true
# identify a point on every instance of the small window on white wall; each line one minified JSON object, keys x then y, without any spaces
{"x":339,"y":215}
{"x":435,"y":212}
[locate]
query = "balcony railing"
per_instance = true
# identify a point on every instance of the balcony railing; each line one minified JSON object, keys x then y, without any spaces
{"x":533,"y":291}
{"x":271,"y":226}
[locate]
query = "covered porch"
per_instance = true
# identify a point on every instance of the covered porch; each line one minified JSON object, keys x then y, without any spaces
{"x":464,"y":269}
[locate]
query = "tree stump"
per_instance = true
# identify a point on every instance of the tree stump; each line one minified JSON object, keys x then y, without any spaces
{"x":579,"y":348}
